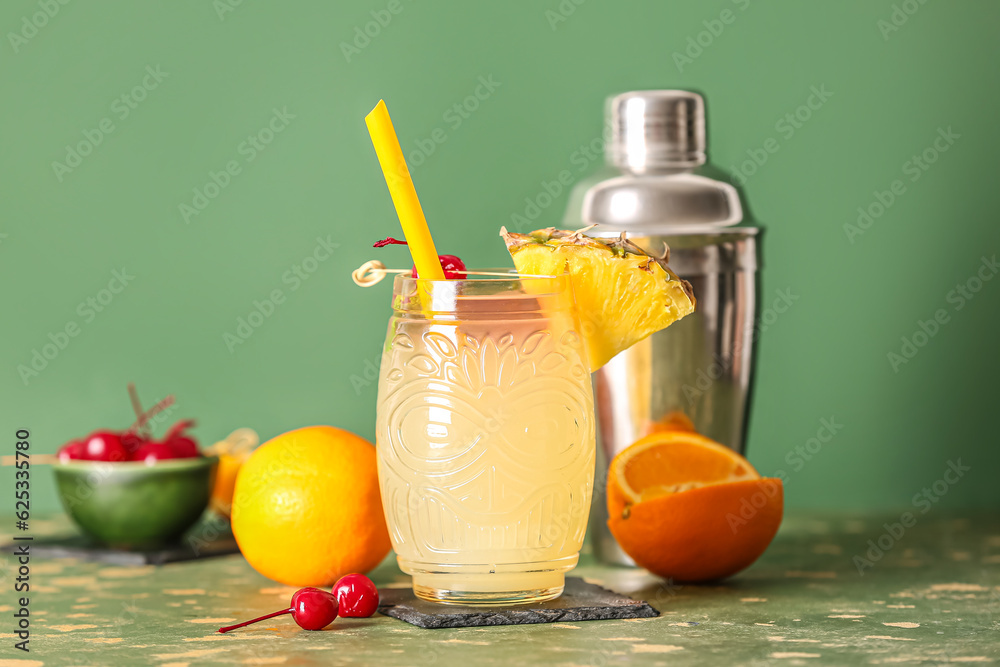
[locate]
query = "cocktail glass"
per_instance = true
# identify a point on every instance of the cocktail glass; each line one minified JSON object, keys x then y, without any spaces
{"x":485,"y":436}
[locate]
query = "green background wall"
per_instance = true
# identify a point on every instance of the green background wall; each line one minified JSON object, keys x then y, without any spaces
{"x":223,"y":73}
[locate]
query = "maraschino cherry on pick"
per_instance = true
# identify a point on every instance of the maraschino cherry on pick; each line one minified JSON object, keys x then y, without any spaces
{"x":311,"y":608}
{"x":453,"y":267}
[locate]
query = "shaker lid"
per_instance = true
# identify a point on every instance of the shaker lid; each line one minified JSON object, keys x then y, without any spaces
{"x":656,"y":129}
{"x":657,"y":142}
{"x":679,"y":204}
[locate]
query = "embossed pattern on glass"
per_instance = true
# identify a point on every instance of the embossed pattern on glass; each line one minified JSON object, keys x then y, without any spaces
{"x":486,"y":439}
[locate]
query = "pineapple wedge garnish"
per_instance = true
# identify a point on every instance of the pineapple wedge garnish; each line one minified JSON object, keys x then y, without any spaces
{"x":622,"y":293}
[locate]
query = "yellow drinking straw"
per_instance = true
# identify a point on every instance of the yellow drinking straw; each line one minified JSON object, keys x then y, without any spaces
{"x":404,"y":196}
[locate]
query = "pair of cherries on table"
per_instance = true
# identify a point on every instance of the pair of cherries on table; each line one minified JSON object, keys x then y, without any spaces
{"x":132,"y":445}
{"x":353,"y":596}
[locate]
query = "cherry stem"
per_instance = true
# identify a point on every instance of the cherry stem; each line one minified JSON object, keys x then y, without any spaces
{"x":255,"y":620}
{"x":136,"y":403}
{"x":388,"y":241}
{"x":144,"y":417}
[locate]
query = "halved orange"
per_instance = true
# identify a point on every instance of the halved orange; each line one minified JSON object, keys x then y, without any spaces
{"x":672,"y":421}
{"x":688,"y":508}
{"x":671,"y":461}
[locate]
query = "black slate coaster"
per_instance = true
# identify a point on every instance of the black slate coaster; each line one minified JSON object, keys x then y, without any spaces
{"x":78,"y":546}
{"x":580,"y":601}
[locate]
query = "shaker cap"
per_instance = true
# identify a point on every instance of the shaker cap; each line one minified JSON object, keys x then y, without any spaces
{"x":656,"y":129}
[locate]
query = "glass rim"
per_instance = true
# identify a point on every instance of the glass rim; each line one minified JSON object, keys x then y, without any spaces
{"x":492,"y":277}
{"x":442,"y":297}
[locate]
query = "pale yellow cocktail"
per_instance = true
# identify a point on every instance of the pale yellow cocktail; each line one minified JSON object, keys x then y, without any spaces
{"x":485,"y":437}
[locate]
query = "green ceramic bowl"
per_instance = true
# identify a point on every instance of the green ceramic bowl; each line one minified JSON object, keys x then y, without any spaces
{"x":132,"y":505}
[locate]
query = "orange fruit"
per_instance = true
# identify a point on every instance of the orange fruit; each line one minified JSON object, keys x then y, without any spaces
{"x":687,"y":508}
{"x":667,"y":462}
{"x":307,"y":509}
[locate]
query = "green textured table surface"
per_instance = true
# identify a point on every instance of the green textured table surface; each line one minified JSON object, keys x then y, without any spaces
{"x":933,"y":597}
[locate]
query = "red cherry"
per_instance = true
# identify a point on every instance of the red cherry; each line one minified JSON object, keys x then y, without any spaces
{"x":133,"y":441}
{"x":356,"y":595}
{"x":179,"y":428}
{"x":105,"y":446}
{"x":314,"y":609}
{"x":184,"y":446}
{"x":152,"y":452}
{"x":74,"y":450}
{"x":454,"y":268}
{"x":311,"y":608}
{"x":132,"y":444}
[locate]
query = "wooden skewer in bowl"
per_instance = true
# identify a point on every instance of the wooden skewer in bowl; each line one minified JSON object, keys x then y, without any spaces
{"x":34,"y":459}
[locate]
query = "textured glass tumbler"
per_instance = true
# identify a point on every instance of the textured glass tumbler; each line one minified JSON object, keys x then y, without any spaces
{"x":485,"y":435}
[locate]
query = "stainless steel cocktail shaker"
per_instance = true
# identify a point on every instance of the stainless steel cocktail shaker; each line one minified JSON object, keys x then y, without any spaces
{"x":657,"y":188}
